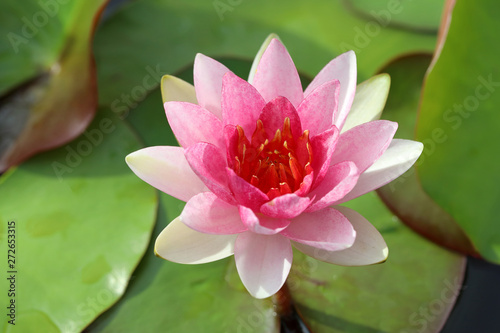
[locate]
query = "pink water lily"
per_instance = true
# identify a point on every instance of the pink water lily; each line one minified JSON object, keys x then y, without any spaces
{"x":264,"y":165}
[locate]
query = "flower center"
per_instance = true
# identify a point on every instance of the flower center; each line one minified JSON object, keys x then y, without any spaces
{"x":276,"y":166}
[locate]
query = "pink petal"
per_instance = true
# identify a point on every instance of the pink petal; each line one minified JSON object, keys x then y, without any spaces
{"x":277,"y":76}
{"x":273,"y":117}
{"x":286,"y":206}
{"x":181,"y":244}
{"x":342,"y":68}
{"x":398,"y":158}
{"x":263,"y":262}
{"x":245,"y":193}
{"x":325,"y":229}
{"x":305,"y":186}
{"x":339,"y":180}
{"x":209,"y":164}
{"x":207,"y":213}
{"x":167,"y":169}
{"x":208,"y":74}
{"x":323,"y":146}
{"x":365,"y":143}
{"x":241,"y":103}
{"x":257,"y":58}
{"x":192,"y":124}
{"x":260,"y":223}
{"x":318,"y":109}
{"x":369,"y":246}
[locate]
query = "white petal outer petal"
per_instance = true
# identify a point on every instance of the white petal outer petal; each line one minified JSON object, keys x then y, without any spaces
{"x":342,"y":68}
{"x":263,"y":262}
{"x":178,"y":243}
{"x":369,"y":101}
{"x":175,"y":89}
{"x":369,"y":247}
{"x":257,"y":58}
{"x":167,"y":169}
{"x":399,"y":157}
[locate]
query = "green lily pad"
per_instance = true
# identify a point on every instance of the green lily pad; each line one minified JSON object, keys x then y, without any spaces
{"x":82,"y":223}
{"x":460,"y":99}
{"x":167,"y":34}
{"x":407,"y":293}
{"x":404,"y":195}
{"x":48,"y":92}
{"x":166,"y":296}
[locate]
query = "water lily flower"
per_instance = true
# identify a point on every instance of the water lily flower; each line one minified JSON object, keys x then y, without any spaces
{"x":264,"y":165}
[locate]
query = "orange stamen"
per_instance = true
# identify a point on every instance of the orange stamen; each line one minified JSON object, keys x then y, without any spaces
{"x":276,"y":166}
